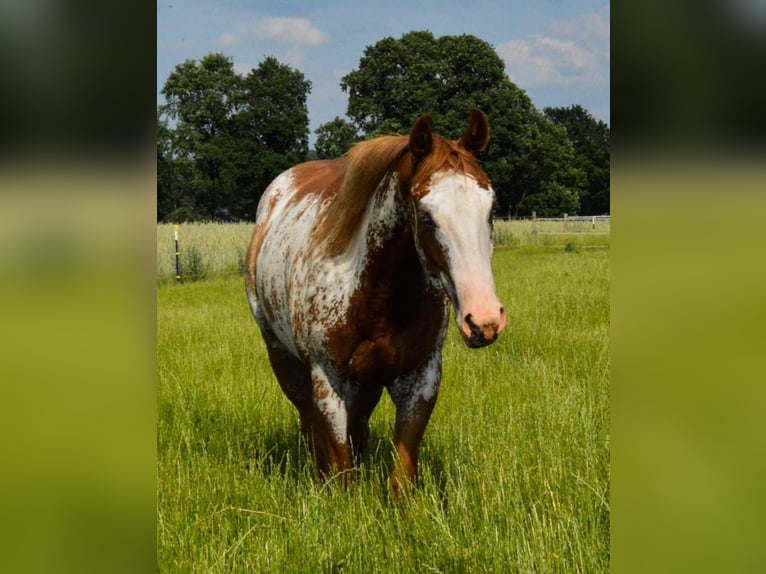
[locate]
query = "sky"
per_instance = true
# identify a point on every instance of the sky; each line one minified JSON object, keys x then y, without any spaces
{"x":557,"y":51}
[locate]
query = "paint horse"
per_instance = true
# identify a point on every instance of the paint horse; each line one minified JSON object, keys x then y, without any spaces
{"x":350,"y":273}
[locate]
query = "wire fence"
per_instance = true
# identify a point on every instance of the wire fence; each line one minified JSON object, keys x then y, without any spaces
{"x":578,"y":230}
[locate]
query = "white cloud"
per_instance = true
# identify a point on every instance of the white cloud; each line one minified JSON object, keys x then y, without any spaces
{"x":594,"y":26}
{"x":295,"y":31}
{"x":572,"y":52}
{"x":227,"y":39}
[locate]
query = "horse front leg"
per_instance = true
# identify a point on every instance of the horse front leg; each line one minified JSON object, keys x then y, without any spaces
{"x":365,"y":401}
{"x":414,"y":396}
{"x":329,"y":428}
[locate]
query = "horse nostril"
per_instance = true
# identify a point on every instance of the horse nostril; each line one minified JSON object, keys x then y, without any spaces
{"x":474,"y":327}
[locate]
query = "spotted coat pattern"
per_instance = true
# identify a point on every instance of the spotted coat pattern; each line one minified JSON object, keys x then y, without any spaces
{"x":353,"y":298}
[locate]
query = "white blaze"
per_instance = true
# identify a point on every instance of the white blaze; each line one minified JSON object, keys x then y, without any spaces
{"x":460,"y":208}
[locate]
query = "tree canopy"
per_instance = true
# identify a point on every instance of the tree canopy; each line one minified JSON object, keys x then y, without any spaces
{"x":222,"y":137}
{"x":335,"y":138}
{"x":590,"y":139}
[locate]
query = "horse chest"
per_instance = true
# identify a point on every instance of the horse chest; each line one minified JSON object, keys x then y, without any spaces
{"x":392,"y":333}
{"x":391,"y":353}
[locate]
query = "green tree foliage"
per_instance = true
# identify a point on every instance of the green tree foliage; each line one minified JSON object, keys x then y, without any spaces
{"x":335,"y":138}
{"x":222,"y":137}
{"x":400,"y":79}
{"x":174,"y":180}
{"x":590,"y":138}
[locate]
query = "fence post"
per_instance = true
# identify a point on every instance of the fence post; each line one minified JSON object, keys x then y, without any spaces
{"x":566,"y":222}
{"x":594,"y":223}
{"x":178,"y":260}
{"x":534,"y":227}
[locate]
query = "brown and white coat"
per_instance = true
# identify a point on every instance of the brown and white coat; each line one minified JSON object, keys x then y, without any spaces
{"x":351,"y":270}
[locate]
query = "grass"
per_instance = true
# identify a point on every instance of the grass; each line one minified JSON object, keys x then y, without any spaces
{"x":514,"y":465}
{"x":221,"y":248}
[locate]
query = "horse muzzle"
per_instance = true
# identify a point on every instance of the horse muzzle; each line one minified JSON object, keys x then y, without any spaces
{"x":482,"y":331}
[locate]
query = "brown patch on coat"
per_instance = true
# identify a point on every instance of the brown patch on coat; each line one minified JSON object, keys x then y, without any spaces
{"x":320,"y":177}
{"x":395,"y":319}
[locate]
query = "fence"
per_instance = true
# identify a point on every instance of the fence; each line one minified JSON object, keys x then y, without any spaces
{"x":571,"y":225}
{"x":590,"y":230}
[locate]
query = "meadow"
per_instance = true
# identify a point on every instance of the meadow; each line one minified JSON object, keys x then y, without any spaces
{"x":514,"y":473}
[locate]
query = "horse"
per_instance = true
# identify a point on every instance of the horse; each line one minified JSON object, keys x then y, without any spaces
{"x":350,"y":273}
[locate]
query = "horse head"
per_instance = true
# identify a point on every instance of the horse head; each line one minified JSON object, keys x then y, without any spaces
{"x":452,"y":201}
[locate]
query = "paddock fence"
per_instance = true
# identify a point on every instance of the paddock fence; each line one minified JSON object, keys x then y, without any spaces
{"x":578,"y":230}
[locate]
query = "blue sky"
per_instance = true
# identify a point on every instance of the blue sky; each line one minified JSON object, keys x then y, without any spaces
{"x":557,"y":51}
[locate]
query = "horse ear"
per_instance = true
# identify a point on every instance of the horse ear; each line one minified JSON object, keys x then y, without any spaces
{"x":421,"y":137}
{"x":476,"y":137}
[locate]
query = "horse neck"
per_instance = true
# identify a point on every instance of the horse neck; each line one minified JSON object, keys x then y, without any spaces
{"x":384,"y":219}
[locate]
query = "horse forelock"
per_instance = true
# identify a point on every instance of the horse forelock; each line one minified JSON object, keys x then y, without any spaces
{"x":447,"y":155}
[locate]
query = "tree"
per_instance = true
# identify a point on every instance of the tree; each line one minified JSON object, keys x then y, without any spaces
{"x":334,"y":138}
{"x":590,"y":139}
{"x":399,"y":80}
{"x":273,"y":107}
{"x":269,"y":131}
{"x":200,"y":100}
{"x":547,"y":179}
{"x":171,"y":201}
{"x":223,"y":137}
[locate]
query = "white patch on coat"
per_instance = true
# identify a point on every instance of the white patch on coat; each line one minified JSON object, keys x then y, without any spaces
{"x":330,"y":404}
{"x":460,"y":207}
{"x":300,"y":284}
{"x":422,"y":384}
{"x":288,"y":232}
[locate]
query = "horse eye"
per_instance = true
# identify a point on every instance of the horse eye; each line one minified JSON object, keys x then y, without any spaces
{"x":427,"y":222}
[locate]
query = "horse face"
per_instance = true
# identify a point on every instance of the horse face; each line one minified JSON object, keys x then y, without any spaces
{"x":453,"y":228}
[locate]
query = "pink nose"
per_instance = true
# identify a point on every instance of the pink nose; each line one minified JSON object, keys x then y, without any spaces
{"x":480,"y":332}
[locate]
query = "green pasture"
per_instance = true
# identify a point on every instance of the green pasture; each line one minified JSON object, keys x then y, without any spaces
{"x":514,"y":465}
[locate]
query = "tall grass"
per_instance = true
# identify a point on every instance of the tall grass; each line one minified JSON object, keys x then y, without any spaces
{"x":220,"y":247}
{"x":514,"y":465}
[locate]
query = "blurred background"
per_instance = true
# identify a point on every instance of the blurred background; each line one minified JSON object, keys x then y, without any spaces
{"x":77,"y":281}
{"x":688,"y":276}
{"x":77,"y":181}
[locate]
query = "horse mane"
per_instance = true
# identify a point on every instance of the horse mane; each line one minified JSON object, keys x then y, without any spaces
{"x":365,"y":166}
